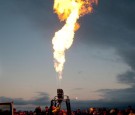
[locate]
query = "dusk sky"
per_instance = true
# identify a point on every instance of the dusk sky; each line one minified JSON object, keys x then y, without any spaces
{"x":100,"y":65}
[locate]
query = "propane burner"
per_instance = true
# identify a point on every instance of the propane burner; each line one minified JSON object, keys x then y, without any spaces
{"x":56,"y":102}
{"x":60,"y":95}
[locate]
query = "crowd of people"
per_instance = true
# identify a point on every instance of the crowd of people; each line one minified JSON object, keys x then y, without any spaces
{"x":91,"y":111}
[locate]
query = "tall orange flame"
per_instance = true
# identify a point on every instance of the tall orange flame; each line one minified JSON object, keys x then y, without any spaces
{"x":68,"y":11}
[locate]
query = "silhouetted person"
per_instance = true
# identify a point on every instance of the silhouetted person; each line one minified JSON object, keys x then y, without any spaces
{"x":38,"y":110}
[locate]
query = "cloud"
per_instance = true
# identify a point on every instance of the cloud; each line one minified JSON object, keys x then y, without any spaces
{"x":77,"y":89}
{"x":127,"y":94}
{"x":41,"y":99}
{"x":121,"y":95}
{"x":127,"y":78}
{"x":128,"y":55}
{"x":112,"y":25}
{"x":38,"y":14}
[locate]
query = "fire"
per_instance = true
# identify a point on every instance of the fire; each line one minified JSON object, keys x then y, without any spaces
{"x":68,"y":11}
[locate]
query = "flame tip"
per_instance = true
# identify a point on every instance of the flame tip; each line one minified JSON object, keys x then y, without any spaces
{"x":68,"y":11}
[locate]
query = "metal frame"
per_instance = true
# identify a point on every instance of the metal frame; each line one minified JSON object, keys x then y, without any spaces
{"x":57,"y":103}
{"x":11,"y":106}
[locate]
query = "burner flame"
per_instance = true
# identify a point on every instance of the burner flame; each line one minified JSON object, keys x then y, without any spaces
{"x":68,"y":11}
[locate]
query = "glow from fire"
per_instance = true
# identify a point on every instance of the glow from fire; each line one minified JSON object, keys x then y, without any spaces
{"x":68,"y":11}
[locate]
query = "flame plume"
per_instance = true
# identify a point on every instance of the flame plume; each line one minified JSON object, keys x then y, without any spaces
{"x":68,"y":11}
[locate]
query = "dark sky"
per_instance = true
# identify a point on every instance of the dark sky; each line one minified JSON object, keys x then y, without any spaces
{"x":27,"y":26}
